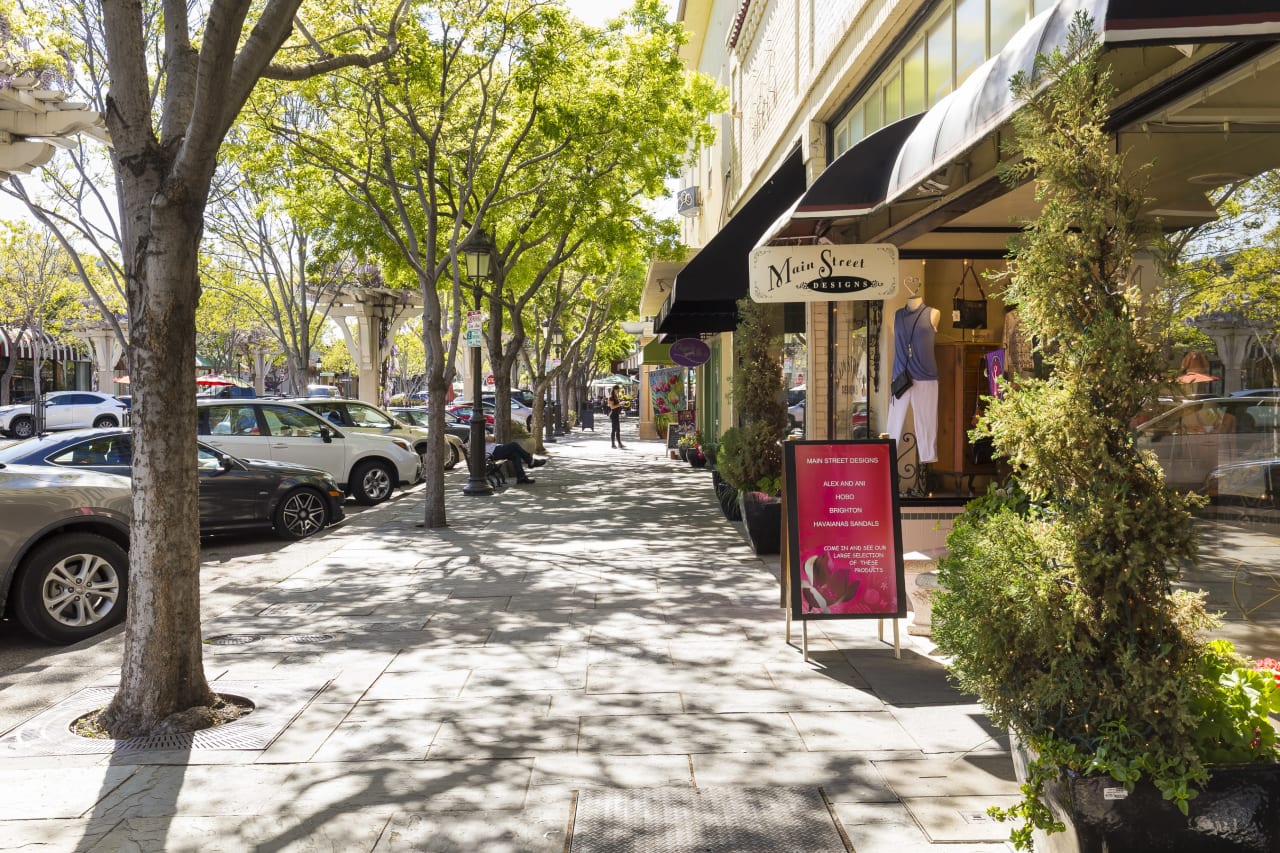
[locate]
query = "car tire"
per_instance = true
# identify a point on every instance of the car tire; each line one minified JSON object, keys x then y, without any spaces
{"x":528,"y":423}
{"x":300,"y":513}
{"x":72,"y":587}
{"x":372,"y":482}
{"x":421,"y":450}
{"x":455,"y":456}
{"x":22,"y":427}
{"x":105,"y":421}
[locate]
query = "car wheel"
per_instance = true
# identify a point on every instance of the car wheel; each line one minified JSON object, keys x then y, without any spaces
{"x":23,"y":427}
{"x":455,"y":456}
{"x":422,"y":465}
{"x":72,"y":587}
{"x":104,"y":421}
{"x":301,"y":513}
{"x":372,"y":482}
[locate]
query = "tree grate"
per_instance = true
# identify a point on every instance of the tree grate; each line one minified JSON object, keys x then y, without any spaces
{"x":704,"y":820}
{"x":234,"y":639}
{"x":276,"y":703}
{"x":309,"y":638}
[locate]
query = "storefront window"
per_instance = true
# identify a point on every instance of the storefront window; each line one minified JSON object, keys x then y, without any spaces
{"x":940,"y":68}
{"x":893,"y":99}
{"x":971,"y":37}
{"x":849,"y":366}
{"x":913,"y":92}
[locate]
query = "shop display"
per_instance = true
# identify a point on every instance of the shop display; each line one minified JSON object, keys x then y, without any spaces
{"x":913,"y":352}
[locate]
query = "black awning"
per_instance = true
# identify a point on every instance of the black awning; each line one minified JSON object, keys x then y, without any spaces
{"x":856,"y":181}
{"x":706,"y":291}
{"x":1189,"y":21}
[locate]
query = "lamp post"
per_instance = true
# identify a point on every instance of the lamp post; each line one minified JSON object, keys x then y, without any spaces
{"x":557,"y":342}
{"x":549,"y":410}
{"x":477,"y":250}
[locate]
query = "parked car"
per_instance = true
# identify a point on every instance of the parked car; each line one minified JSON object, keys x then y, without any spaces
{"x":363,"y":417}
{"x":226,"y":392}
{"x":64,"y":410}
{"x":315,"y":390}
{"x":235,"y":494}
{"x":64,"y":550}
{"x":1198,"y":437}
{"x":367,"y":467}
{"x":463,"y":413}
{"x":417,"y":415}
{"x":520,"y":412}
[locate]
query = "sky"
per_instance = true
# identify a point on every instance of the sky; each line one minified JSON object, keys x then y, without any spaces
{"x":596,"y":12}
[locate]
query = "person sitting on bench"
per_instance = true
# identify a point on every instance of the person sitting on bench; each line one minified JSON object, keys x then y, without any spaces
{"x":518,"y":457}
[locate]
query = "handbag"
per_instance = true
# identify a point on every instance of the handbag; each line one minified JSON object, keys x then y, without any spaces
{"x":969,"y":313}
{"x":901,"y":383}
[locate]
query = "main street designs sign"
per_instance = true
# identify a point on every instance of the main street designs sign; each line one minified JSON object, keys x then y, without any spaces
{"x":833,"y":273}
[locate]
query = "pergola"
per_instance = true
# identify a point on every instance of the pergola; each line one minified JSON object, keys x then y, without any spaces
{"x":34,"y":121}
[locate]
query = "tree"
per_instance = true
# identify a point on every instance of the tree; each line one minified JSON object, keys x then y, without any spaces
{"x":165,"y":146}
{"x":39,"y":293}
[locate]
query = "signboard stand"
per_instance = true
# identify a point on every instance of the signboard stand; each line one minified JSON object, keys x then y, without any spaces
{"x":842,"y":534}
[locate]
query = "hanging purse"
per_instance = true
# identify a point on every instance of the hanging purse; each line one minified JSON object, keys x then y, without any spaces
{"x":969,"y":313}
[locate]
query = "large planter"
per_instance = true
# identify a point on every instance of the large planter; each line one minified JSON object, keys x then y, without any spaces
{"x":697,"y":459}
{"x":1237,"y":812}
{"x":727,"y":496}
{"x":762,"y":517}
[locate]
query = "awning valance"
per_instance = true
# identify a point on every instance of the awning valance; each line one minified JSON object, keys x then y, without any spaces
{"x":26,"y":343}
{"x":704,"y":297}
{"x":983,"y":102}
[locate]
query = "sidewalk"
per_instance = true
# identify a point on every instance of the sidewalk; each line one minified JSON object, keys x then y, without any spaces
{"x":592,"y":663}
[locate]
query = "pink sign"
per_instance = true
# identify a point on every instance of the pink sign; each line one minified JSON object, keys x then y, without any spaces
{"x":844,"y":531}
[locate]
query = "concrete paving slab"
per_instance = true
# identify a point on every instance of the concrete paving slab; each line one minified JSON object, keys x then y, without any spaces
{"x":661,"y":678}
{"x":53,"y":836}
{"x":499,"y":682}
{"x":951,"y":728}
{"x":966,"y":775}
{"x":542,"y":831}
{"x":342,"y":831}
{"x":305,"y":734}
{"x":843,"y":777}
{"x":667,"y":734}
{"x":883,"y":828}
{"x":476,"y":657}
{"x":574,"y":771}
{"x":426,"y":786}
{"x":511,"y":735}
{"x":411,"y":685}
{"x":814,"y":698}
{"x":164,"y":791}
{"x":60,"y":793}
{"x":843,"y":731}
{"x":951,"y":820}
{"x":912,"y":680}
{"x":610,"y":704}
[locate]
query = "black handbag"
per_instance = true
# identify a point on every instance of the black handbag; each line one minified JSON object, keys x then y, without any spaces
{"x":901,"y":383}
{"x":969,"y":313}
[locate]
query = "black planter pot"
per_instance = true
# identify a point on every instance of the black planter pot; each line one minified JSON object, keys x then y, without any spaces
{"x":727,"y":496}
{"x":762,"y":517}
{"x":684,"y":454}
{"x":697,"y":460}
{"x":1238,"y":811}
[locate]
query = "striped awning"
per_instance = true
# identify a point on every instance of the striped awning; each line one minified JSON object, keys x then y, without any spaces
{"x":26,"y":342}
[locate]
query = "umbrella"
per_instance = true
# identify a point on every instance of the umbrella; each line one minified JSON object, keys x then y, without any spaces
{"x":1195,"y":376}
{"x":122,"y":380}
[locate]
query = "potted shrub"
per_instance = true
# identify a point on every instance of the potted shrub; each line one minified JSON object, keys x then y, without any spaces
{"x":750,"y":456}
{"x":1056,"y":605}
{"x":688,"y":442}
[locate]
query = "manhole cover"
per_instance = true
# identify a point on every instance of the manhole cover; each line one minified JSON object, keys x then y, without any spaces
{"x":234,"y":639}
{"x":704,"y":820}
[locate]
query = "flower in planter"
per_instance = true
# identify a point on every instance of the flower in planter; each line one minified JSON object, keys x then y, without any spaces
{"x":1270,"y":665}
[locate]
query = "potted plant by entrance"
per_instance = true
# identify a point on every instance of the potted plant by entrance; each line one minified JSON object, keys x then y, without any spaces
{"x":750,"y":456}
{"x":1057,"y":605}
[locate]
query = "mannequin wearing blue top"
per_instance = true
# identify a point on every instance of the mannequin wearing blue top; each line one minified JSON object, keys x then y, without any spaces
{"x":915,"y":327}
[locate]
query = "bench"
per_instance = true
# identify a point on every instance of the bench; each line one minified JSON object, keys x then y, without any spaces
{"x":496,"y":471}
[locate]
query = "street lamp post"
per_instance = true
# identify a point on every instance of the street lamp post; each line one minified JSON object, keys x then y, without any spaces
{"x":557,"y":341}
{"x":477,"y":249}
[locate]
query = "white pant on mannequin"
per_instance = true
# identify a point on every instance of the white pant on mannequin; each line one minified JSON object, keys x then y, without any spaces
{"x":922,"y":397}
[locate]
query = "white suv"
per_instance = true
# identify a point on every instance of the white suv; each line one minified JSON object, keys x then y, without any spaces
{"x":64,"y":410}
{"x":364,"y":417}
{"x":367,"y":467}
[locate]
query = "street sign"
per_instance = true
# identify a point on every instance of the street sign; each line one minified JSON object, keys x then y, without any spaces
{"x":475,"y":328}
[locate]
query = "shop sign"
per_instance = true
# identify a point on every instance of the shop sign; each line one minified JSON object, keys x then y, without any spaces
{"x":843,"y":530}
{"x":690,"y":352}
{"x":832,"y":273}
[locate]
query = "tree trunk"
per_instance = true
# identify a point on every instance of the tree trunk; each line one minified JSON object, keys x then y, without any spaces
{"x":436,"y":369}
{"x":163,"y":669}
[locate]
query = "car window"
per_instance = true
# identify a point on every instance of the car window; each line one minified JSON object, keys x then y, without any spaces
{"x":228,"y":420}
{"x":368,"y":417}
{"x":331,"y":412}
{"x":286,"y":421}
{"x":207,"y":459}
{"x":103,"y":450}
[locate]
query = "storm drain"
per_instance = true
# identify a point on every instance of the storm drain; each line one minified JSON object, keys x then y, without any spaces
{"x":234,"y":639}
{"x":49,"y":732}
{"x":245,"y":639}
{"x":704,"y":820}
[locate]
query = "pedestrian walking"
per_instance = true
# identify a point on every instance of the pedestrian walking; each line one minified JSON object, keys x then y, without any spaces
{"x":615,"y":419}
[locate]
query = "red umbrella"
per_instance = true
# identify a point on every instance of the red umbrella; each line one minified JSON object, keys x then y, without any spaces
{"x":214,"y":379}
{"x":1195,"y":376}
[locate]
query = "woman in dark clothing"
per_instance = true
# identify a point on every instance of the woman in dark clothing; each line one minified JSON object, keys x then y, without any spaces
{"x":615,"y":418}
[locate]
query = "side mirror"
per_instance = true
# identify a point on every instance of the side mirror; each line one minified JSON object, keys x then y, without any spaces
{"x":326,"y":435}
{"x":225,"y":462}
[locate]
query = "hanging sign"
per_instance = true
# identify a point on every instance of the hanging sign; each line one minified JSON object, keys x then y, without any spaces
{"x":830,"y":273}
{"x":475,"y":328}
{"x":844,"y":533}
{"x":690,"y":352}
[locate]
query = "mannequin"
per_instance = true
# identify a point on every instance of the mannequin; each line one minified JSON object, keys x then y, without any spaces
{"x":915,"y":326}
